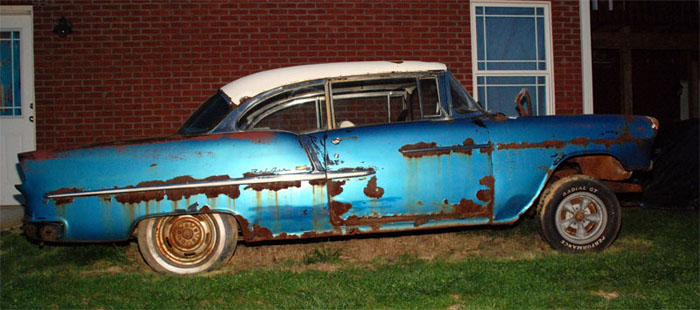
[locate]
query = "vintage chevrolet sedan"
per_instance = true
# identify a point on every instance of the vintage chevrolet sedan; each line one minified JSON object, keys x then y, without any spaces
{"x":337,"y":149}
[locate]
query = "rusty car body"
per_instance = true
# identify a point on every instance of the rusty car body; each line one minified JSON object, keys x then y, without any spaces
{"x":337,"y":149}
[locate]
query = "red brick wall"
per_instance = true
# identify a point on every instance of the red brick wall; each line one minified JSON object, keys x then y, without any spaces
{"x":138,"y":68}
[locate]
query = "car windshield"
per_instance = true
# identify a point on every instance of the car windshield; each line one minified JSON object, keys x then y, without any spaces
{"x":462,"y":101}
{"x":209,"y":114}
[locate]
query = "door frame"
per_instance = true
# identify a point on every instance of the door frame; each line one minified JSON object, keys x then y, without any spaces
{"x":27,"y":93}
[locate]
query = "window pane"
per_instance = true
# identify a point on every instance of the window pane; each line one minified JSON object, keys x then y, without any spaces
{"x":540,"y":39}
{"x":480,"y":44}
{"x":10,"y":87}
{"x":297,"y":118}
{"x":297,"y":110}
{"x":430,"y":97}
{"x":510,"y":38}
{"x":497,"y":93}
{"x":496,"y":10}
{"x":367,"y":102}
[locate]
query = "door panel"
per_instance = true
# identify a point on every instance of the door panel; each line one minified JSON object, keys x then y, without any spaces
{"x":426,"y":173}
{"x":17,"y":131}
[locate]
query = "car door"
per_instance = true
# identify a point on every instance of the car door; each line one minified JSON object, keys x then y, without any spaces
{"x":427,"y":170}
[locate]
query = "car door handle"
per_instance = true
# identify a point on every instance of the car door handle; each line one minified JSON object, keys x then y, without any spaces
{"x":337,"y":140}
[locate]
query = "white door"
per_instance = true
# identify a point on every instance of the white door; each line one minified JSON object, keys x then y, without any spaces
{"x":17,"y":130}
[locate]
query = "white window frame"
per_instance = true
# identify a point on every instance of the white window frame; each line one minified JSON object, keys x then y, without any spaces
{"x":548,"y":73}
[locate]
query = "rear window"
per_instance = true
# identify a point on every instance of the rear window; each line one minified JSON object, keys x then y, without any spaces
{"x":208,"y":115}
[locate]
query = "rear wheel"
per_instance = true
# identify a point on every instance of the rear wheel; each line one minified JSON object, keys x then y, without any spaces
{"x":187,"y":244}
{"x":578,"y":214}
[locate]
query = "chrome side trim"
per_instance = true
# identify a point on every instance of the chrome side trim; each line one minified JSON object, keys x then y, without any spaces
{"x":239,"y":181}
{"x":448,"y":148}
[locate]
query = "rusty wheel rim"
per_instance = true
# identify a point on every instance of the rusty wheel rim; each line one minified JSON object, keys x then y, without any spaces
{"x":581,"y":218}
{"x":186,"y":240}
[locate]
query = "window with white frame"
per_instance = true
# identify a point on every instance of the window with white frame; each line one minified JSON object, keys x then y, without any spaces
{"x":511,"y":50}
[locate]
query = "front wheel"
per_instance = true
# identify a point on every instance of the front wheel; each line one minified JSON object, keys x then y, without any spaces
{"x":187,"y":244}
{"x":578,"y":214}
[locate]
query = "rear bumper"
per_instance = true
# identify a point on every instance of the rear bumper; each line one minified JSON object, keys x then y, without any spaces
{"x":44,"y":231}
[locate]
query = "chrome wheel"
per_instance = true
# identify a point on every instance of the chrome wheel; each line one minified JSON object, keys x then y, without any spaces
{"x":186,"y":244}
{"x":186,"y":240}
{"x":581,"y":218}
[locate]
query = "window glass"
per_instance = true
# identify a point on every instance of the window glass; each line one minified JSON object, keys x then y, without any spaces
{"x":462,"y":102}
{"x":208,"y":115}
{"x":430,"y":97}
{"x":295,"y":118}
{"x":10,"y":93}
{"x":379,"y":101}
{"x":501,"y":91}
{"x":512,"y":54}
{"x":298,"y":110}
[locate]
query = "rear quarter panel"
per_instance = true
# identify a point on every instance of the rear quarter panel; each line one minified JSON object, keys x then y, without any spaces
{"x":166,"y":161}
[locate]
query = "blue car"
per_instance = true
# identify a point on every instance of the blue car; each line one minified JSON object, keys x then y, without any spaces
{"x":338,"y":149}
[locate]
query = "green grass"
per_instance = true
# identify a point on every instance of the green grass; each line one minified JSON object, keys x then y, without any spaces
{"x":654,"y":264}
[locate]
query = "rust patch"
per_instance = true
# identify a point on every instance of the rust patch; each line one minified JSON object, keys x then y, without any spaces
{"x":319,"y":182}
{"x":261,"y":233}
{"x":580,"y":141}
{"x":467,"y":209}
{"x":421,"y":145}
{"x":272,"y":186}
{"x":529,"y":145}
{"x":138,"y":197}
{"x":625,"y":137}
{"x":258,"y":232}
{"x":602,"y":167}
{"x":498,"y":117}
{"x":153,"y":165}
{"x":339,"y":208}
{"x":487,"y":150}
{"x":64,"y":200}
{"x":467,"y":142}
{"x":622,"y":187}
{"x":372,"y":190}
{"x":177,"y":194}
{"x":484,"y":195}
{"x":243,"y":100}
{"x":335,"y":188}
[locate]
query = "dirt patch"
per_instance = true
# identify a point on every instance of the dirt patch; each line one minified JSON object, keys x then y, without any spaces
{"x":377,"y":249}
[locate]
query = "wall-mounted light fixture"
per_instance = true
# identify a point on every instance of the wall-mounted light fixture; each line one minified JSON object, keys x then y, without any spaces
{"x":63,"y":28}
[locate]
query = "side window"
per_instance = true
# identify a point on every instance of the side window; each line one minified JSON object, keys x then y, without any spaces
{"x":381,"y":101}
{"x":296,"y":118}
{"x":297,"y":110}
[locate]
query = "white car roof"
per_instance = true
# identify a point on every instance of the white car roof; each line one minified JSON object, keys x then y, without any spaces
{"x":254,"y":84}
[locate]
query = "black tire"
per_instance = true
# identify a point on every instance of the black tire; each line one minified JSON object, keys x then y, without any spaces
{"x":579,"y":214}
{"x":187,"y":244}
